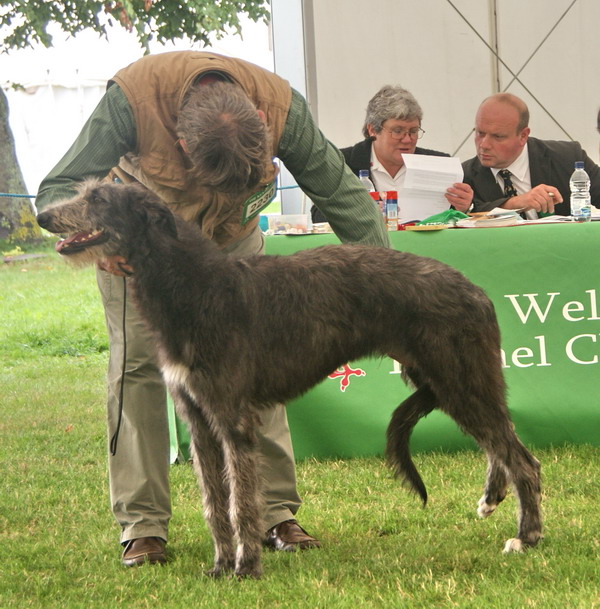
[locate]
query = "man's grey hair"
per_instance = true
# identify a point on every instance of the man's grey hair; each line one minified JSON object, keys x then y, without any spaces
{"x":391,"y":102}
{"x":227,"y":141}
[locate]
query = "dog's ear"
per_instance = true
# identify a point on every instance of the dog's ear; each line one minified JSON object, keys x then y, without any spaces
{"x":162,"y":218}
{"x":154,"y":212}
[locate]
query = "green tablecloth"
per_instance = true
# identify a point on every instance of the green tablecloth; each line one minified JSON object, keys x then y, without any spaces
{"x":544,"y":281}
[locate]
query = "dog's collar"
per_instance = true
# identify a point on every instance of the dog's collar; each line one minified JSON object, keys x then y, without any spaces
{"x":124,"y":270}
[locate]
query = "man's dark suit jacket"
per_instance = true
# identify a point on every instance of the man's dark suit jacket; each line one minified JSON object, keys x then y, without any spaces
{"x":359,"y":157}
{"x":550,"y":162}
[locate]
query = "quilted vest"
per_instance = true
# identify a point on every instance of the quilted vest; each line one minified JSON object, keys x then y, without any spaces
{"x":155,"y":87}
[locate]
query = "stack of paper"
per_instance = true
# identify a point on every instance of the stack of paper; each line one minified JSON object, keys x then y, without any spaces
{"x":495,"y":217}
{"x":426,"y":181}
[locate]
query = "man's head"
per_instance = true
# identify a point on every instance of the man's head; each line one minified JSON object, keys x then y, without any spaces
{"x":225,"y":137}
{"x":501,"y":130}
{"x":393,"y":122}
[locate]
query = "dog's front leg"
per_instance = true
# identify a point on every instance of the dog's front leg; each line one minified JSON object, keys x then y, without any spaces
{"x":209,"y":465}
{"x":245,"y":501}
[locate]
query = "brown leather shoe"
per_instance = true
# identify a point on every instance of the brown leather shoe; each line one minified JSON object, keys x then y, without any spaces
{"x":149,"y":550}
{"x":289,"y":536}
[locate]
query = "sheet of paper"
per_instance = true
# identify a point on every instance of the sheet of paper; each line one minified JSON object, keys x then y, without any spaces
{"x":425,"y":183}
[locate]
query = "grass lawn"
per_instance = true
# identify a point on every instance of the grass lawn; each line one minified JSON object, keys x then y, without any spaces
{"x":381,"y":549}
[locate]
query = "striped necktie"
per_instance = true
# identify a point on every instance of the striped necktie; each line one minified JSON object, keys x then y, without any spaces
{"x":509,"y":187}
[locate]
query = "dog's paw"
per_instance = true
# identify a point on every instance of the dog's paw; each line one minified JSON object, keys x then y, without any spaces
{"x":221,"y":569}
{"x":248,"y":573}
{"x":514,"y":545}
{"x":485,"y":509}
{"x":216,"y":572}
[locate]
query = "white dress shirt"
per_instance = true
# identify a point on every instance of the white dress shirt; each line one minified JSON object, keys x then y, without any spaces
{"x":382,"y":179}
{"x":520,"y":177}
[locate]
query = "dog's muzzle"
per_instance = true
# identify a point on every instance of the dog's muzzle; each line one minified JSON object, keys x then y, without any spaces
{"x":73,"y":243}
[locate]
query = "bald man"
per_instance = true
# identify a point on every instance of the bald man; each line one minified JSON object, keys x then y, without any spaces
{"x":538,"y":170}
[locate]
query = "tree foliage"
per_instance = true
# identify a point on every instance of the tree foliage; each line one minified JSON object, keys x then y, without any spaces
{"x":25,"y":22}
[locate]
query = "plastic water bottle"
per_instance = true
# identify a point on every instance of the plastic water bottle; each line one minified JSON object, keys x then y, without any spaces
{"x":581,"y":202}
{"x":363,"y":176}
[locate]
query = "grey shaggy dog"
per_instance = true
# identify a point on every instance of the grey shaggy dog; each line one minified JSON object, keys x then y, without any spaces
{"x":236,"y":336}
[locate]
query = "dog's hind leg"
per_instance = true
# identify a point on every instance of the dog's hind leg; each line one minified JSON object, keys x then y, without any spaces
{"x":524,"y":472}
{"x":495,"y":488}
{"x":209,"y":465}
{"x":471,"y":390}
{"x":488,"y":422}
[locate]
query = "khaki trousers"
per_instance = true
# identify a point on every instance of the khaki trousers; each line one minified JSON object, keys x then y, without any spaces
{"x":139,"y":471}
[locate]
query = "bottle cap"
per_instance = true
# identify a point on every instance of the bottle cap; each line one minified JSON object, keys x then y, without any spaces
{"x":392,"y":194}
{"x":578,"y":164}
{"x":374,"y":195}
{"x":363,"y":173}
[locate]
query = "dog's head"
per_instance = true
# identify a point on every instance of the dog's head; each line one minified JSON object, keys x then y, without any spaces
{"x":106,"y":219}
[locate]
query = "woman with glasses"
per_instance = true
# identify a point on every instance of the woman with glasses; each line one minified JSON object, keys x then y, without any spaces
{"x":392,"y":128}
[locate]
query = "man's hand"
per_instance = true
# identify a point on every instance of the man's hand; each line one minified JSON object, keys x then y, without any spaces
{"x":542,"y":198}
{"x":116,"y":265}
{"x":460,"y":196}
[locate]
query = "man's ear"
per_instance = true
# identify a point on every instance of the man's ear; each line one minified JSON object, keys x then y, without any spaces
{"x":263,"y":116}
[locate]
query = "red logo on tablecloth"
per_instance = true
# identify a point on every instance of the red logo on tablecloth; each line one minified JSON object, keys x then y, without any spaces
{"x":344,"y":373}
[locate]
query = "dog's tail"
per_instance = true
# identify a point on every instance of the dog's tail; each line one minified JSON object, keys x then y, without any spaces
{"x":404,"y":419}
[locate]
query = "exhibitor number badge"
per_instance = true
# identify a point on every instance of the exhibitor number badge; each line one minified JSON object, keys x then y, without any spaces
{"x":258,"y":201}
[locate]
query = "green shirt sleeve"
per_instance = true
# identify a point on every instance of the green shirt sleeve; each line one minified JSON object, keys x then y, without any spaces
{"x":321,"y":172}
{"x":107,"y":135}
